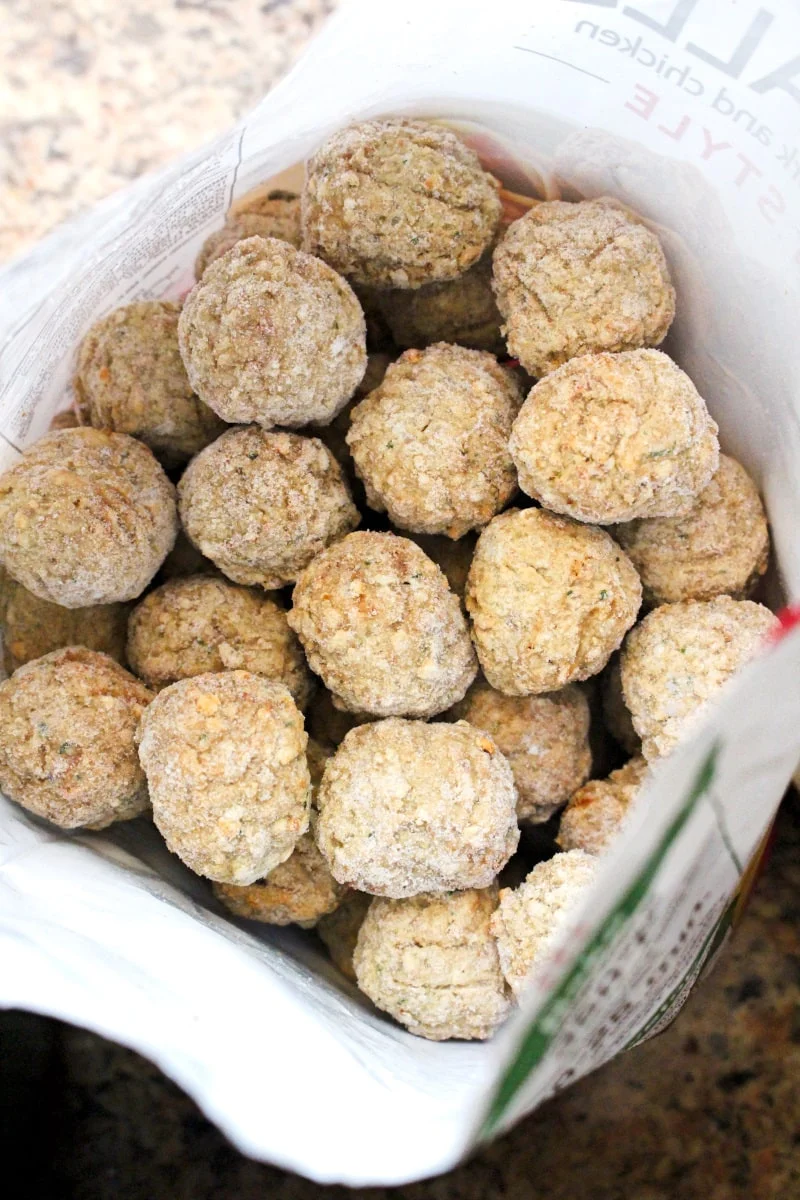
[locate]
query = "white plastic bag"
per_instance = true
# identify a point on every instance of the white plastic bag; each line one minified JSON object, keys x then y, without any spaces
{"x":689,"y":112}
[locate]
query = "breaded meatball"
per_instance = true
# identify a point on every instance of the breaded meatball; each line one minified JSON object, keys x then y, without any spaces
{"x":274,"y":216}
{"x":272,"y":335}
{"x":572,"y":279}
{"x":454,"y":558}
{"x":328,"y":723}
{"x":545,"y":739}
{"x":529,"y":919}
{"x":381,"y":627}
{"x":130,"y":378}
{"x":86,"y":517}
{"x":719,"y":546}
{"x":595,"y":814}
{"x":67,"y":752}
{"x":431,"y":443}
{"x":431,"y":963}
{"x":338,"y":931}
{"x":462,"y":310}
{"x":611,"y":437}
{"x":550,"y":601}
{"x":398,"y":204}
{"x":192,"y":626}
{"x":334,"y":434}
{"x":225,"y":760}
{"x":262,"y":505}
{"x":616,"y":717}
{"x":406,"y":807}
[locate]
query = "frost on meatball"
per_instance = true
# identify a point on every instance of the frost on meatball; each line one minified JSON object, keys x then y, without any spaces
{"x":462,"y":310}
{"x":398,"y":204}
{"x":612,"y":437}
{"x":192,"y":626}
{"x":406,"y":807}
{"x":339,"y":930}
{"x":616,"y":717}
{"x":276,"y":215}
{"x":550,"y":601}
{"x":225,"y":760}
{"x":571,"y":279}
{"x":545,"y":739}
{"x":67,"y":751}
{"x":431,"y":442}
{"x":431,"y":963}
{"x":529,"y":919}
{"x":454,"y":558}
{"x":719,"y":546}
{"x":597,"y":811}
{"x":677,"y":659}
{"x":130,"y":378}
{"x":262,"y":505}
{"x":272,"y":335}
{"x":381,"y":627}
{"x":86,"y":517}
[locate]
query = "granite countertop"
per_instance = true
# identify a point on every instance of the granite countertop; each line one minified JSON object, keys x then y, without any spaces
{"x":710,"y":1109}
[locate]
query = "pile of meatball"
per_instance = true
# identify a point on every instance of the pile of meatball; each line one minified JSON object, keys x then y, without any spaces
{"x":418,"y":736}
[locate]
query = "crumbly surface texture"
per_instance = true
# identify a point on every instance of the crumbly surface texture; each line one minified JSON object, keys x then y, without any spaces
{"x":272,"y":335}
{"x":192,"y":626}
{"x":550,"y":601}
{"x":544,"y":738}
{"x":616,"y":717}
{"x":406,"y":807}
{"x":719,"y":547}
{"x":339,"y":930}
{"x":462,"y":311}
{"x":452,"y":557}
{"x":431,"y":442}
{"x":432,"y":964}
{"x":225,"y":759}
{"x":613,"y":437}
{"x":297,"y":892}
{"x":529,"y":919}
{"x":131,"y":378}
{"x":677,"y":659}
{"x":278,"y":217}
{"x":398,"y":204}
{"x":261,"y":505}
{"x":86,"y":517}
{"x":67,"y":752}
{"x":597,"y":811}
{"x":571,"y":279}
{"x":381,"y":627}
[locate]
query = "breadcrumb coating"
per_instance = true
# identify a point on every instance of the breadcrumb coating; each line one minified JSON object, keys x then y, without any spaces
{"x":595,"y":814}
{"x":462,"y":311}
{"x":276,"y":215}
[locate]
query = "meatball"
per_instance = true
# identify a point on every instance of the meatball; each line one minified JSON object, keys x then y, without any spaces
{"x":338,"y":931}
{"x":276,"y":215}
{"x":130,"y":378}
{"x":67,"y":752}
{"x":200,"y":624}
{"x":571,"y":279}
{"x":719,"y":546}
{"x":334,"y":434}
{"x":86,"y":517}
{"x":432,"y":964}
{"x":545,"y":739}
{"x":272,"y":335}
{"x":461,"y":310}
{"x":595,"y":814}
{"x":612,"y":437}
{"x":529,"y":920}
{"x":262,"y":505}
{"x":381,"y":627}
{"x":677,"y":659}
{"x":431,"y":443}
{"x":406,"y":807}
{"x":398,"y":204}
{"x":550,"y":601}
{"x":454,"y":558}
{"x":224,"y":756}
{"x":616,"y":717}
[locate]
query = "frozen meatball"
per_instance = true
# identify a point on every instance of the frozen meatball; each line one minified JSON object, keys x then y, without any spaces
{"x":406,"y":807}
{"x":381,"y":627}
{"x":398,"y":204}
{"x":612,"y":437}
{"x":225,"y":760}
{"x":719,"y":546}
{"x":463,"y":311}
{"x":677,"y":659}
{"x":454,"y":558}
{"x":192,"y":626}
{"x":616,"y":717}
{"x":272,"y":335}
{"x":67,"y":752}
{"x":86,"y":517}
{"x":275,"y":216}
{"x":431,"y":443}
{"x":334,"y":434}
{"x":571,"y":279}
{"x":432,"y":964}
{"x":595,"y":814}
{"x":262,"y":505}
{"x":545,"y":739}
{"x":130,"y":378}
{"x":529,"y":919}
{"x":550,"y":601}
{"x":339,"y":930}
